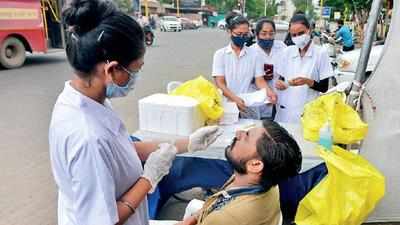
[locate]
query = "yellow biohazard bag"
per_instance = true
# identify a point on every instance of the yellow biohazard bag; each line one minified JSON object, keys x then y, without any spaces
{"x":347,"y":126}
{"x":206,"y":93}
{"x":346,"y":195}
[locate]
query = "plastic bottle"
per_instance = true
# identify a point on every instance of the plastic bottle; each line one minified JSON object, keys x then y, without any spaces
{"x":325,"y":136}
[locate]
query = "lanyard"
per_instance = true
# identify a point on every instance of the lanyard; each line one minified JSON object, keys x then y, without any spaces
{"x":229,"y":195}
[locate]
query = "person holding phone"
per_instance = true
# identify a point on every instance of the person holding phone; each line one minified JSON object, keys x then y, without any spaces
{"x":236,"y":65}
{"x":271,"y":52}
{"x":304,"y":71}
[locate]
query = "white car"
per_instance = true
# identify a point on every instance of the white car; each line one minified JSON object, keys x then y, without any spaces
{"x":348,"y":61}
{"x":170,"y":23}
{"x":221,"y":24}
{"x":281,"y":25}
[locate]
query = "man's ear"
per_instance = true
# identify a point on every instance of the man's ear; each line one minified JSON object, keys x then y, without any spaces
{"x":254,"y":166}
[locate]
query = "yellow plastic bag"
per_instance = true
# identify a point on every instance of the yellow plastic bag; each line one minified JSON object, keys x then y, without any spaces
{"x":346,"y":195}
{"x":347,"y":127}
{"x":206,"y":93}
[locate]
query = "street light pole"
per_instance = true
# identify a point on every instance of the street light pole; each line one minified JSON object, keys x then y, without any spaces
{"x":177,"y":8}
{"x":265,"y":7}
{"x":146,"y":8}
{"x":365,"y":51}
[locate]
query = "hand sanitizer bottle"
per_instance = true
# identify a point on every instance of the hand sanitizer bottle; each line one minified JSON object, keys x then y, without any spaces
{"x":325,"y":136}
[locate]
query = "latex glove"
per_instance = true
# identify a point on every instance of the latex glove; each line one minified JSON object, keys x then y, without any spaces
{"x":203,"y":137}
{"x":158,"y":164}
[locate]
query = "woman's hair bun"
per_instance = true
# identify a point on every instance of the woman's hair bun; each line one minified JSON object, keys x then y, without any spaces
{"x":85,"y":15}
{"x":233,"y":19}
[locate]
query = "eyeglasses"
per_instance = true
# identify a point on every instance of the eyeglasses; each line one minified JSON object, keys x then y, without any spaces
{"x":132,"y":74}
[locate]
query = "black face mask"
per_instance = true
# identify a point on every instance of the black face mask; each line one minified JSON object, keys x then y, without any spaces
{"x":237,"y":166}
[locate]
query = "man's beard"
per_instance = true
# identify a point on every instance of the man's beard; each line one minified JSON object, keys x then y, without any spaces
{"x":238,"y":166}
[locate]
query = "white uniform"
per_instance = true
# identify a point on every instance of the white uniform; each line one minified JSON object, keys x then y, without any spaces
{"x":238,"y":71}
{"x":273,"y":58}
{"x":314,"y":65}
{"x":93,"y":161}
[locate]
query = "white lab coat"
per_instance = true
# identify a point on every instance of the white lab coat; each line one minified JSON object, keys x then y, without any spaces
{"x":238,"y":71}
{"x":314,"y":65}
{"x":93,"y":161}
{"x":273,"y":58}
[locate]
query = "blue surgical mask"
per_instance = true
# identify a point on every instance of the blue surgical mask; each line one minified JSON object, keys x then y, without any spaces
{"x":266,"y":43}
{"x":115,"y":91}
{"x":239,"y":41}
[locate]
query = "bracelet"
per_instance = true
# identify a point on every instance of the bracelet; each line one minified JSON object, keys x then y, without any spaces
{"x":127,"y":204}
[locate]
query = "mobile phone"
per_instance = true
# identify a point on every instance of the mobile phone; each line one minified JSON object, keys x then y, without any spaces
{"x":268,"y":71}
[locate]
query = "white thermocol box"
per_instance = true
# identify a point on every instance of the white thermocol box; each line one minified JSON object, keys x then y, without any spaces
{"x":175,"y":115}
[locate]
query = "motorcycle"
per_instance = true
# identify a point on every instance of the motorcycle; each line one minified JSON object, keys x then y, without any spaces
{"x":149,"y":35}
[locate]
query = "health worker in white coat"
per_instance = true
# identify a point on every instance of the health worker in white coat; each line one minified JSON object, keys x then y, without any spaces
{"x":304,"y":72}
{"x":236,"y":65}
{"x":97,"y":169}
{"x":271,"y":51}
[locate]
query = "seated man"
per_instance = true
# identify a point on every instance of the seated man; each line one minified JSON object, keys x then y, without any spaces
{"x":260,"y":157}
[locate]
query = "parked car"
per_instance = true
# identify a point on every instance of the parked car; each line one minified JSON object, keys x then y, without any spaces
{"x":281,"y":25}
{"x":348,"y":61}
{"x":170,"y":23}
{"x":221,"y":24}
{"x":198,"y":23}
{"x":187,"y":24}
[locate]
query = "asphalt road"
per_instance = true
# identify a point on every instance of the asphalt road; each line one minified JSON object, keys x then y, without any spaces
{"x":27,"y":189}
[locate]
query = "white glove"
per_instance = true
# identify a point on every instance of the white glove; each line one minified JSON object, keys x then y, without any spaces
{"x":203,"y":137}
{"x":158,"y":164}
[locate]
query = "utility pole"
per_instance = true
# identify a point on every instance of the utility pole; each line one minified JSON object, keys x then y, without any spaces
{"x":244,"y":8}
{"x":265,"y":7}
{"x":146,"y":8}
{"x":177,"y":9}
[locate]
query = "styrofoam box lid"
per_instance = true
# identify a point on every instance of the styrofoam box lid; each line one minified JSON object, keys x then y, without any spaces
{"x":170,"y":100}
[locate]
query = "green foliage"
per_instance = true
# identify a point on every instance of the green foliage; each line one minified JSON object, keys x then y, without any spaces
{"x":348,"y":7}
{"x":223,"y":6}
{"x":124,"y":5}
{"x":305,"y":6}
{"x":254,"y":8}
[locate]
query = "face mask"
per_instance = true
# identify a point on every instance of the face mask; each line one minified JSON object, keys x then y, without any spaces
{"x":239,"y":41}
{"x":301,"y":41}
{"x":266,"y":43}
{"x":115,"y":91}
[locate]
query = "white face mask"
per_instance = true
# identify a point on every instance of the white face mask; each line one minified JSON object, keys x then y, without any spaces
{"x":301,"y":41}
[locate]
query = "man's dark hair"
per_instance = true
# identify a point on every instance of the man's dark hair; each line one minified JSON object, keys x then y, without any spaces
{"x":234,"y":20}
{"x":261,"y":23}
{"x":340,"y":22}
{"x":98,"y":32}
{"x":300,"y":18}
{"x":280,"y":154}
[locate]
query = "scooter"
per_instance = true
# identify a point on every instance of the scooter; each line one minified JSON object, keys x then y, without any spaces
{"x":149,"y":35}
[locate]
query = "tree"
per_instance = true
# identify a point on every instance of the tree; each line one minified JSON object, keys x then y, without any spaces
{"x":224,"y":5}
{"x":256,"y":8}
{"x":125,"y":5}
{"x":305,"y":6}
{"x":358,"y":8}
